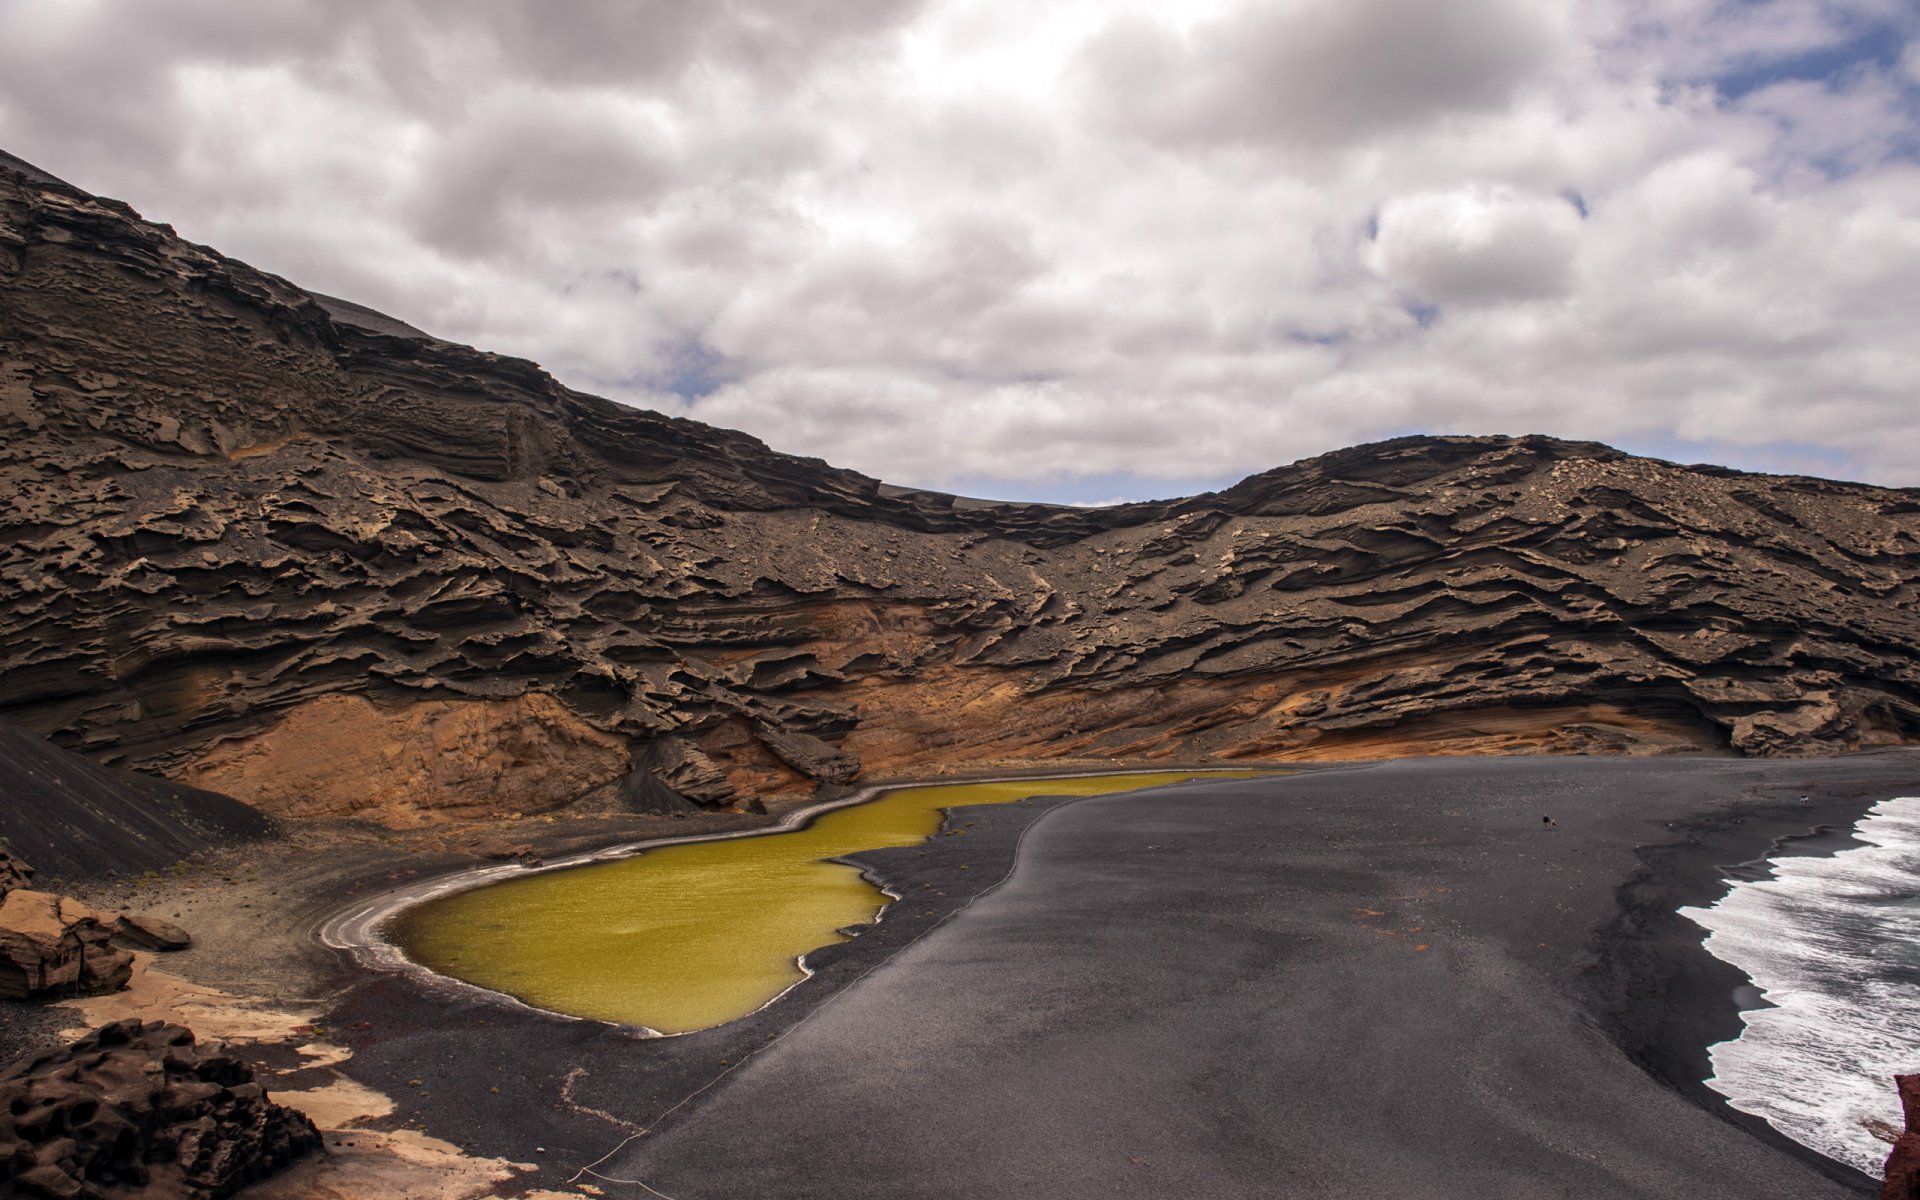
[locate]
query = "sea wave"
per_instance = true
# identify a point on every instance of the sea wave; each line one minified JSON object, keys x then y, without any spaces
{"x":1833,"y":945}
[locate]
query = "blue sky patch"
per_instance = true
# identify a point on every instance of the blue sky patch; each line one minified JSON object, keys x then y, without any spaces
{"x":1878,"y":45}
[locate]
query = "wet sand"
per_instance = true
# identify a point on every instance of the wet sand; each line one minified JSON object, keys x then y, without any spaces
{"x":1351,"y":981}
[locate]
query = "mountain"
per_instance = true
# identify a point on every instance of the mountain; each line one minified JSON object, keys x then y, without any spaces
{"x":283,"y":547}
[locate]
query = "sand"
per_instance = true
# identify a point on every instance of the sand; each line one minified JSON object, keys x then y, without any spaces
{"x":1353,"y":981}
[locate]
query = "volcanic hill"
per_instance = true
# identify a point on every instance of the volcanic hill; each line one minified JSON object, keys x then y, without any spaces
{"x":281,"y":547}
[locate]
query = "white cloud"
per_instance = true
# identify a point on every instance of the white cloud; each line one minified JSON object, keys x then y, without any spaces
{"x":1320,"y":71}
{"x":955,"y":239}
{"x":1478,"y":245}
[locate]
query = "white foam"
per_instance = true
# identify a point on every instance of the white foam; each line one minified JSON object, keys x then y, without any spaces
{"x":1834,"y":943}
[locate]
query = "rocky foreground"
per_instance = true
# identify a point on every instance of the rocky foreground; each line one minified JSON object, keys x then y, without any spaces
{"x":282,"y":548}
{"x":139,"y":1109}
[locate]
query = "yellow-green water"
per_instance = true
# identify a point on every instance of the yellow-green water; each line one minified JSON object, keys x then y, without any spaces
{"x":686,"y":937}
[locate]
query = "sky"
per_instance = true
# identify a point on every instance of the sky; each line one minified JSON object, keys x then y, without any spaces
{"x":1083,"y":251}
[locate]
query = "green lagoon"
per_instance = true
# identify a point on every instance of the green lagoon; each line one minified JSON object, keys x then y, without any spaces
{"x":689,"y":936}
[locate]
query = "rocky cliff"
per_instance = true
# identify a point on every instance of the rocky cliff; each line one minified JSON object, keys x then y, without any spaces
{"x":276,"y":545}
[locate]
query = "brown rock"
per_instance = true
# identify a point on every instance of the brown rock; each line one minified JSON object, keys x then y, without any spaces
{"x":1902,"y":1172}
{"x":342,"y":755}
{"x":681,"y":769}
{"x":150,"y":932}
{"x":1901,"y":1175}
{"x":501,"y":850}
{"x":810,"y":756}
{"x":13,"y":873}
{"x":54,"y":946}
{"x":314,"y":558}
{"x":138,"y":1109}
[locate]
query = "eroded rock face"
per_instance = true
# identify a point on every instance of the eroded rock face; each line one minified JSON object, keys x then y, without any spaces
{"x":56,"y":946}
{"x":342,"y":755}
{"x":239,"y":511}
{"x":137,"y":1109}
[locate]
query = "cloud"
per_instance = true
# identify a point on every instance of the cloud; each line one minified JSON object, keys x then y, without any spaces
{"x":1478,"y":245}
{"x":951,"y":242}
{"x":1320,"y":71}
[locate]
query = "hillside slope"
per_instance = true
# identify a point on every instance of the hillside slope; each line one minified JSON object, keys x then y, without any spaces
{"x":284,"y":548}
{"x":71,"y":818}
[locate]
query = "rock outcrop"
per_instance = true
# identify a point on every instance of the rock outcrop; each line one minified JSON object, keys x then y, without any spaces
{"x":14,"y":873}
{"x":56,"y":946}
{"x":149,"y":931}
{"x":1901,"y":1175}
{"x":254,"y":528}
{"x":137,"y":1109}
{"x":51,"y":945}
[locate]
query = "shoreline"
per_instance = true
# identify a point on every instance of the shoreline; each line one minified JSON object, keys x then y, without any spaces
{"x":579,"y":1088}
{"x":359,"y":928}
{"x":1695,"y":1000}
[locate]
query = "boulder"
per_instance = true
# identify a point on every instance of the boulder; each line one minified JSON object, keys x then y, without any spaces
{"x":1902,"y":1172}
{"x":137,"y":1108}
{"x":809,"y":755}
{"x":502,"y":850}
{"x":56,"y":946}
{"x":14,"y":873}
{"x":149,"y":932}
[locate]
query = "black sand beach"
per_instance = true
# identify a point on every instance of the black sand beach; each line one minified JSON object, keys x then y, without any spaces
{"x":1355,"y":980}
{"x":1352,"y":981}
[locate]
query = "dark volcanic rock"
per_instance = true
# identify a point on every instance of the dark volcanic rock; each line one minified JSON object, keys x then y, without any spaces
{"x":261,"y":538}
{"x":76,"y":818}
{"x":137,"y":1109}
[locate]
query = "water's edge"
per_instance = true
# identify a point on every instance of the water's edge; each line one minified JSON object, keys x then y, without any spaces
{"x":1657,"y":992}
{"x":1822,"y":935}
{"x":360,"y":928}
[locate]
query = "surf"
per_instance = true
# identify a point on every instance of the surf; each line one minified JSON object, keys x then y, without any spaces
{"x":1832,"y":945}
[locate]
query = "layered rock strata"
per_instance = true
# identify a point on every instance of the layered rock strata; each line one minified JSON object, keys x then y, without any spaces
{"x":137,"y":1109}
{"x":281,"y":546}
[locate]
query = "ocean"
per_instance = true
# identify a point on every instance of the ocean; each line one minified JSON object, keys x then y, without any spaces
{"x":1832,"y":944}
